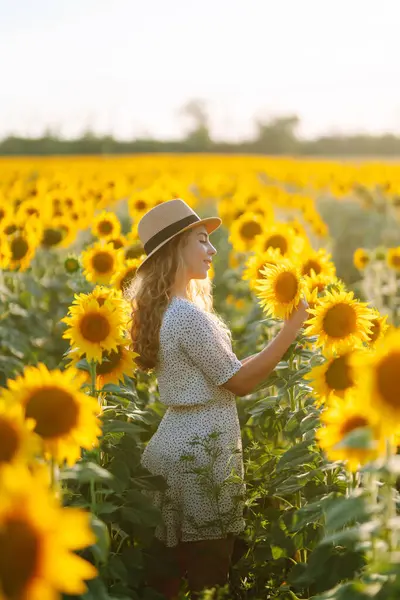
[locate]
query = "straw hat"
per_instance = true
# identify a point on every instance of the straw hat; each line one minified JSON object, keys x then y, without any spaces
{"x":163,"y":222}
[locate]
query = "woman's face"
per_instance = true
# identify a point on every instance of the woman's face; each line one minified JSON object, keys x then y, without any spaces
{"x":198,"y":253}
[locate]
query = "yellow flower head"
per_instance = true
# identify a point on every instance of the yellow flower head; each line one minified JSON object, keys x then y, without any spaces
{"x":114,"y":365}
{"x":245,"y":230}
{"x":255,"y":264}
{"x":65,"y":418}
{"x":361,"y":258}
{"x":282,"y":237}
{"x":379,"y":328}
{"x":343,"y":416}
{"x":123,"y":277}
{"x":94,"y":327}
{"x":317,"y":263}
{"x":38,"y":539}
{"x":332,"y":377}
{"x":281,"y":289}
{"x":100,"y":262}
{"x":339,"y":321}
{"x":377,"y":375}
{"x":393,"y":258}
{"x":22,"y":247}
{"x":106,"y":225}
{"x":17,"y":442}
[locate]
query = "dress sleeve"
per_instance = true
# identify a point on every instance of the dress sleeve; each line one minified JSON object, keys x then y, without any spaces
{"x":207,"y":345}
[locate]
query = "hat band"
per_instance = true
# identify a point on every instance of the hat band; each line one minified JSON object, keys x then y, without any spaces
{"x":168,"y":232}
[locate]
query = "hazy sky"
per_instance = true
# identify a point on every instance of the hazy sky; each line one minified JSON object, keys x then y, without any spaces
{"x":126,"y":66}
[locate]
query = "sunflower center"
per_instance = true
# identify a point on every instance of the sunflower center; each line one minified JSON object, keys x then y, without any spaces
{"x":286,"y":287}
{"x":103,"y":262}
{"x":353,"y":423}
{"x":105,"y":227}
{"x":396,"y":260}
{"x":117,"y":243}
{"x":32,"y":211}
{"x":19,"y":247}
{"x":338,"y":374}
{"x":250,"y":229}
{"x":10,"y":229}
{"x":140,"y":204}
{"x":9,"y":441}
{"x":311,"y":265}
{"x":54,"y":410}
{"x":388,"y":380}
{"x":19,"y":557}
{"x":113,"y":360}
{"x":127,"y":278}
{"x":94,"y":327}
{"x":340,"y":320}
{"x":277,"y":241}
{"x":51,"y":237}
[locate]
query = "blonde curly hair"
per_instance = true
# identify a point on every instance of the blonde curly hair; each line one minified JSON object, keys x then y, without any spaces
{"x":150,"y":292}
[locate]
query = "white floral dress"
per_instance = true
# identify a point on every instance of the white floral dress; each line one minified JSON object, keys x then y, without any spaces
{"x":197,"y":447}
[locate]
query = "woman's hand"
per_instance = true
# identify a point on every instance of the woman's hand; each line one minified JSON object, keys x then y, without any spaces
{"x":298,"y":316}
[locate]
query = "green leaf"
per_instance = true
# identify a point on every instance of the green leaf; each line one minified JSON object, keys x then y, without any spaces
{"x":84,"y":472}
{"x":116,"y":426}
{"x":344,"y":510}
{"x":102,"y":546}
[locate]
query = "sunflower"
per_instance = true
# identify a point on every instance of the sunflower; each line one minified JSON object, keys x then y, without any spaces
{"x":118,"y":242}
{"x":339,"y":321}
{"x":361,"y":258}
{"x":38,"y":539}
{"x":343,"y":416}
{"x":123,"y":277}
{"x":106,"y":225}
{"x":114,"y":365}
{"x":281,"y":289}
{"x":65,"y":418}
{"x":379,"y":327}
{"x":255,"y":263}
{"x":333,"y":377}
{"x":17,"y":443}
{"x":378,"y":378}
{"x":22,"y":247}
{"x":245,"y":230}
{"x":5,"y":253}
{"x":100,"y":262}
{"x":393,"y":258}
{"x":71,"y":264}
{"x":94,"y":327}
{"x":317,"y":262}
{"x":57,"y":233}
{"x":282,"y":237}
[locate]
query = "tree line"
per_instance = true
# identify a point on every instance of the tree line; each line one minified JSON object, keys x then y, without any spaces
{"x":277,"y":136}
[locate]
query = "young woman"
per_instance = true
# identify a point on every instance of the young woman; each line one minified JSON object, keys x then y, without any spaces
{"x":197,"y":445}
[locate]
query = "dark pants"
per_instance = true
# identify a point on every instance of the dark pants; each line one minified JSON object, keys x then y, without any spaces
{"x":204,"y":563}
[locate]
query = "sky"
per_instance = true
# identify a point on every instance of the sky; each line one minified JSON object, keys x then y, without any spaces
{"x":126,"y":67}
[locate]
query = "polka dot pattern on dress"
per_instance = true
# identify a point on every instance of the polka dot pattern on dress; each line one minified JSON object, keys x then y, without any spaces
{"x":200,"y":429}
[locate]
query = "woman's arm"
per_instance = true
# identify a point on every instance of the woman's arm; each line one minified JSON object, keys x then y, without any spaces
{"x":258,"y":367}
{"x":244,"y":360}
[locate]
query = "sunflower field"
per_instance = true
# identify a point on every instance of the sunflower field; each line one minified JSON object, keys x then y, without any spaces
{"x":320,"y":435}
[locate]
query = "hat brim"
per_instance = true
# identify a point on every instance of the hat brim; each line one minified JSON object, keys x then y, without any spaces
{"x":210,"y":223}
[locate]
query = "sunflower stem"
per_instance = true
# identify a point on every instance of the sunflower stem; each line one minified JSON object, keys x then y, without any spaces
{"x":93,"y":392}
{"x":92,"y":367}
{"x":389,"y":511}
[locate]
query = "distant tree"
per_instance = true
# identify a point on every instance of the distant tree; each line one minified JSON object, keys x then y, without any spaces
{"x":198,"y":137}
{"x":278,"y":135}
